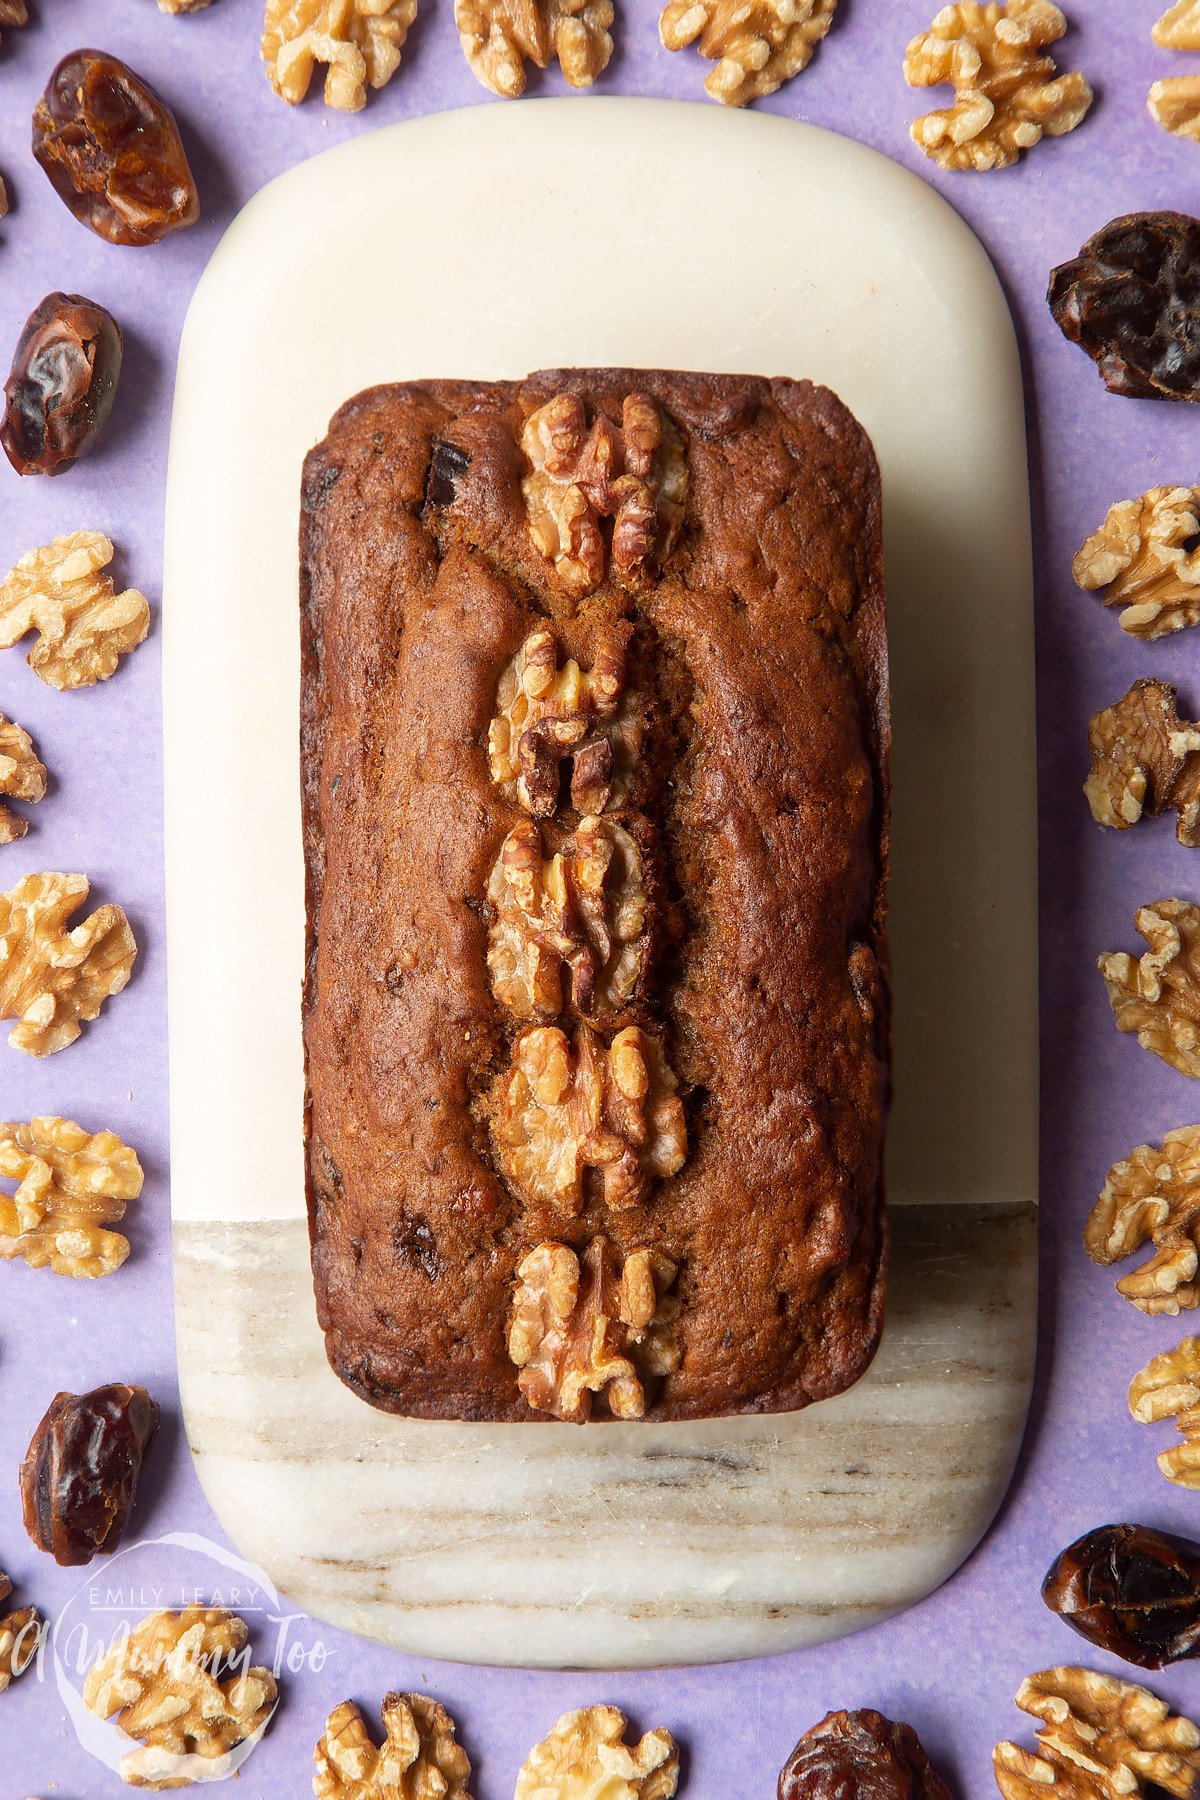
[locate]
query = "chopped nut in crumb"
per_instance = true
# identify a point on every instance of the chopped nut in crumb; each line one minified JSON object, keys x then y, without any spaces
{"x":419,"y":1758}
{"x":563,"y":1107}
{"x":22,"y":777}
{"x":550,"y":721}
{"x":359,"y":41}
{"x":179,"y":1682}
{"x":1157,"y":995}
{"x":1101,"y":1738}
{"x":1145,"y":760}
{"x":54,"y":978}
{"x":1153,"y":1197}
{"x":72,"y":1185}
{"x":634,"y":474}
{"x":1179,"y":27}
{"x":579,"y":1329}
{"x":582,"y":911}
{"x":1142,"y":560}
{"x":500,"y":36}
{"x":1174,"y":104}
{"x":20,"y":1635}
{"x":757,"y":45}
{"x":585,"y":1757}
{"x":1008,"y":94}
{"x":84,"y":626}
{"x":1169,"y":1388}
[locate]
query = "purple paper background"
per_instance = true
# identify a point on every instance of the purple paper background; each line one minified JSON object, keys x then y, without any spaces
{"x":952,"y":1664}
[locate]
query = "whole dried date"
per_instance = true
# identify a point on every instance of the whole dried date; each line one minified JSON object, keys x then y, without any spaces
{"x":112,"y":151}
{"x":81,"y":1470}
{"x":61,"y":386}
{"x":1130,"y":1590}
{"x":1131,"y":300}
{"x":860,"y":1756}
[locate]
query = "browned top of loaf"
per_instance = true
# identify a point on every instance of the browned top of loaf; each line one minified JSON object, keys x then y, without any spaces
{"x":763,"y":651}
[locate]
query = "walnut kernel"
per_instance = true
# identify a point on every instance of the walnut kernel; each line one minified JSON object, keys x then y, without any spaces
{"x":166,"y":1683}
{"x":1169,"y":1387}
{"x":585,"y":1757}
{"x":634,"y":474}
{"x":20,"y":1635}
{"x":54,"y":979}
{"x":1157,"y":995}
{"x":1174,"y":104}
{"x":22,"y":777}
{"x":549,"y":718}
{"x":1140,"y":558}
{"x":563,"y":1107}
{"x":1008,"y":94}
{"x":419,"y":1758}
{"x":1179,"y":27}
{"x":71,"y":1186}
{"x":183,"y":6}
{"x":1144,"y":760}
{"x":757,"y":45}
{"x":499,"y":36}
{"x":1100,"y":1738}
{"x":13,"y":12}
{"x":583,"y":909}
{"x":579,"y":1329}
{"x":1153,"y":1197}
{"x":359,"y":41}
{"x":84,"y":627}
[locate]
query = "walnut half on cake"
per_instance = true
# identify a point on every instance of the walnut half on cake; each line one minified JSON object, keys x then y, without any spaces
{"x":594,"y":748}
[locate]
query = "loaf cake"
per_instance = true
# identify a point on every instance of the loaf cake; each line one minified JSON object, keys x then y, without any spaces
{"x":594,"y":749}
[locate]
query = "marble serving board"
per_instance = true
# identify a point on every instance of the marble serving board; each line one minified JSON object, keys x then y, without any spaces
{"x":487,"y":243}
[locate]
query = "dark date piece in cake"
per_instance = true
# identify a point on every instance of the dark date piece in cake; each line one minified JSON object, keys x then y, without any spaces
{"x":860,"y":1755}
{"x":80,"y":1474}
{"x":1130,"y":1590}
{"x":1131,"y":300}
{"x":61,"y":386}
{"x":113,"y":152}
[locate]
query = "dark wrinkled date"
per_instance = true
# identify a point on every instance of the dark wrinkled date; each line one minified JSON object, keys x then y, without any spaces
{"x":113,"y":152}
{"x":1130,"y":1590}
{"x":1131,"y":300}
{"x":60,"y":389}
{"x":81,"y":1470}
{"x":447,"y":466}
{"x":860,"y":1756}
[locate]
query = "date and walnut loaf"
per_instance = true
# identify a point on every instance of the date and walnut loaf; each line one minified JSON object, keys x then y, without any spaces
{"x":594,"y":749}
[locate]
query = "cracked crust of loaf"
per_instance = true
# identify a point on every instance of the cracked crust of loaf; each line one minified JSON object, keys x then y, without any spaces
{"x":762,"y":652}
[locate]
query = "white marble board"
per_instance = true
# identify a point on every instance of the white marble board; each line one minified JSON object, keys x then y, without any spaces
{"x":466,"y":244}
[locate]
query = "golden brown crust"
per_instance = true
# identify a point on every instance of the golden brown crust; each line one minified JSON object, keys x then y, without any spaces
{"x":761,"y":654}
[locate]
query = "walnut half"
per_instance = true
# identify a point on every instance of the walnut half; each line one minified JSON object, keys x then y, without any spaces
{"x":1101,"y":1738}
{"x":22,"y":777}
{"x":500,"y":36}
{"x":180,"y":1683}
{"x":1153,"y":1197}
{"x":84,"y":626}
{"x":54,"y":979}
{"x":359,"y":41}
{"x":1174,"y":103}
{"x":1144,"y":761}
{"x":583,"y":910}
{"x":1008,"y":94}
{"x":585,"y":1757}
{"x":579,"y":1329}
{"x":565,"y":1107}
{"x":1142,"y":559}
{"x":20,"y":1635}
{"x":757,"y":45}
{"x":1179,"y":27}
{"x":1157,"y":995}
{"x":550,"y":720}
{"x":419,"y":1759}
{"x":1169,"y":1388}
{"x":580,"y":474}
{"x":71,"y":1186}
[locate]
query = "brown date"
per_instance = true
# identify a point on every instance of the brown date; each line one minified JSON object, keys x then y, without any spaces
{"x":1131,"y":300}
{"x":1130,"y":1590}
{"x":860,"y":1756}
{"x":61,"y":386}
{"x":112,"y":151}
{"x":81,"y":1470}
